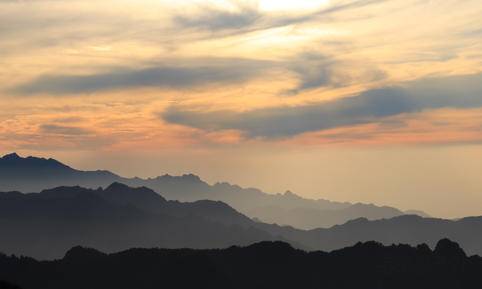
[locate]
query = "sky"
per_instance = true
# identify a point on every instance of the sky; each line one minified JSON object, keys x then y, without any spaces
{"x":376,"y":101}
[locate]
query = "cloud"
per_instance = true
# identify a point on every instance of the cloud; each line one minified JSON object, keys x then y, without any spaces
{"x":63,"y":130}
{"x":69,"y":119}
{"x":315,"y":70}
{"x":200,"y":73}
{"x":216,"y":19}
{"x":247,"y":18}
{"x":348,"y":5}
{"x":312,"y":69}
{"x":370,"y":106}
{"x":287,"y":121}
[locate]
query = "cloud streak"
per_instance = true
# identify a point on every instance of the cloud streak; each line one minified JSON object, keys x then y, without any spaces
{"x":201,"y":73}
{"x":63,"y":130}
{"x":247,"y":18}
{"x":371,"y":106}
{"x":315,"y":70}
{"x":216,"y":19}
{"x":312,"y":70}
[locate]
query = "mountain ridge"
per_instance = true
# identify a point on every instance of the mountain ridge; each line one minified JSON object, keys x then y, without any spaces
{"x":268,"y":264}
{"x":118,"y":217}
{"x":35,"y":174}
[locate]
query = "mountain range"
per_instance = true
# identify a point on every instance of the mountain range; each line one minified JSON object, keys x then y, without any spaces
{"x":367,"y":265}
{"x":33,"y":174}
{"x":45,"y":224}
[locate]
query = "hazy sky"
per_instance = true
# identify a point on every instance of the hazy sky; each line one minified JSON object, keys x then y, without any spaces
{"x":355,"y":100}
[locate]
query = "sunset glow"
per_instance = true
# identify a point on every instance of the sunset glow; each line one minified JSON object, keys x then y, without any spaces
{"x":177,"y":87}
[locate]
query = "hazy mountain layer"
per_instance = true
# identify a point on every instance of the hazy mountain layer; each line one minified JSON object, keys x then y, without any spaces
{"x":46,"y":224}
{"x":263,"y":265}
{"x":409,"y":229}
{"x":35,"y":174}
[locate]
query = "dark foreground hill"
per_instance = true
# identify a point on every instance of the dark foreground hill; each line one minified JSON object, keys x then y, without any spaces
{"x":263,"y":265}
{"x":32,"y":174}
{"x":6,"y":285}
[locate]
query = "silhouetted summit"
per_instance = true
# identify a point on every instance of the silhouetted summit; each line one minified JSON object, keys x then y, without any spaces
{"x":265,"y":265}
{"x":35,"y":174}
{"x":449,"y":249}
{"x":18,"y":162}
{"x":142,"y":198}
{"x":11,"y":157}
{"x":82,"y":254}
{"x":271,"y":247}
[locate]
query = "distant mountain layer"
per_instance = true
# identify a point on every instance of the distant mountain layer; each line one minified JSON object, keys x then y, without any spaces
{"x":33,"y":174}
{"x":44,"y":225}
{"x":408,"y":229}
{"x":263,"y":265}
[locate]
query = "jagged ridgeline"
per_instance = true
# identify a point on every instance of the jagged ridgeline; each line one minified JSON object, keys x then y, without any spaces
{"x":262,"y":265}
{"x":32,"y":174}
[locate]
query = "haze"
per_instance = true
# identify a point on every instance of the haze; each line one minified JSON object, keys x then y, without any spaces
{"x":350,"y":100}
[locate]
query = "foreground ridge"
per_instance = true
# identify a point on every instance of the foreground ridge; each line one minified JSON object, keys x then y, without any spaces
{"x":261,"y":265}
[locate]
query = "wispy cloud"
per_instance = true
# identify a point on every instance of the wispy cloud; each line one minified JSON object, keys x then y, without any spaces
{"x":370,"y":106}
{"x":315,"y":70}
{"x":248,"y":18}
{"x":214,"y":19}
{"x":200,"y":72}
{"x":311,"y":69}
{"x":63,"y":129}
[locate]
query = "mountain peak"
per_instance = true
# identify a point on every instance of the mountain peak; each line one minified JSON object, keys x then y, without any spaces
{"x":81,"y":253}
{"x":33,"y":161}
{"x":11,"y":156}
{"x":118,"y":190}
{"x":291,"y":196}
{"x":117,"y":186}
{"x":356,"y":221}
{"x":267,"y":246}
{"x":449,"y":249}
{"x":289,"y":193}
{"x":191,"y":177}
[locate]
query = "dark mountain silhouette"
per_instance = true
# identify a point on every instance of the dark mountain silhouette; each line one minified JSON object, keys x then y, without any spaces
{"x":46,"y":224}
{"x":409,"y":229}
{"x":262,"y":265}
{"x":33,"y":174}
{"x":6,"y":285}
